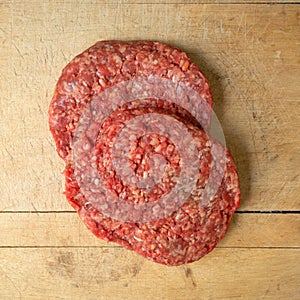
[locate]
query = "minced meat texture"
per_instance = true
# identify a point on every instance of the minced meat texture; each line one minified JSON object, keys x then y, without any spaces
{"x":196,"y":226}
{"x":106,"y":64}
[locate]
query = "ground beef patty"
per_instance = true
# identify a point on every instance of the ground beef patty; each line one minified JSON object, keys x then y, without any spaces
{"x":147,"y":176}
{"x":106,"y":64}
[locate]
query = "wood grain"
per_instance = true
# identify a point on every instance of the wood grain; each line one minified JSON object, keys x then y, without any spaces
{"x":250,"y":52}
{"x":116,"y":273}
{"x":243,"y":49}
{"x":67,"y":230}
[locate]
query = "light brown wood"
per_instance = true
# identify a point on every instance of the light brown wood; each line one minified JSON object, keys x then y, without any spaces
{"x":250,"y":53}
{"x":67,"y":230}
{"x":116,"y":273}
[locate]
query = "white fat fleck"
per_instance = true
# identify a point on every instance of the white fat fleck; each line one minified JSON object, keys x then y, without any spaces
{"x":132,"y":137}
{"x":138,"y":239}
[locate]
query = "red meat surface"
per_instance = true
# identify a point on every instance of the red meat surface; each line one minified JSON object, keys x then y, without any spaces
{"x":174,"y":231}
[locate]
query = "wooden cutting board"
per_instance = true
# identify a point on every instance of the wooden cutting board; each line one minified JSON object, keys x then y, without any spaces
{"x":250,"y":53}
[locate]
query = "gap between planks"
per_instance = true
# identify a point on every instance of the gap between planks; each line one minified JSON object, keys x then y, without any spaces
{"x":120,"y":247}
{"x":182,"y":3}
{"x":73,"y":212}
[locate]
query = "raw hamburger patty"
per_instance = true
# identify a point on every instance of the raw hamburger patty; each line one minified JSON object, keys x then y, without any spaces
{"x":106,"y":64}
{"x":177,"y":236}
{"x":187,"y":234}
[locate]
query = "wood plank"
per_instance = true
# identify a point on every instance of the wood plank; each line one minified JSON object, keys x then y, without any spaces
{"x":4,"y":20}
{"x":250,"y":54}
{"x":67,"y":230}
{"x":120,"y":274}
{"x":168,"y":2}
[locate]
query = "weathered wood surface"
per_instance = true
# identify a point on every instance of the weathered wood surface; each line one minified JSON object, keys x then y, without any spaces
{"x":250,"y":53}
{"x":67,"y":230}
{"x":115,"y":273}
